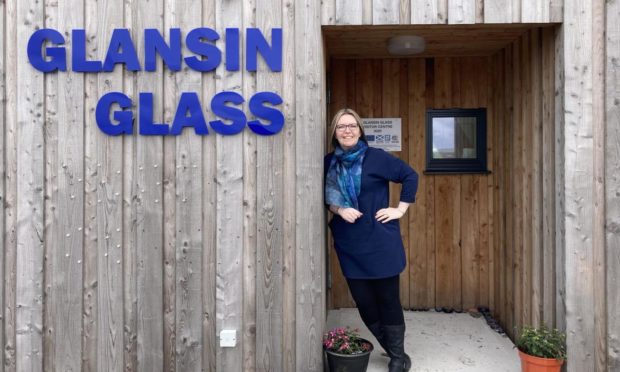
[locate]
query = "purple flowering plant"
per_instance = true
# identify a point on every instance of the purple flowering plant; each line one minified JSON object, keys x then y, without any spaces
{"x":345,"y":341}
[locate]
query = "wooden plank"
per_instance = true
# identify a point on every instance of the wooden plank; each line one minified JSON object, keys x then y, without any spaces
{"x":3,"y":151}
{"x":536,"y":152}
{"x":598,"y":219}
{"x":229,"y":242}
{"x":91,"y":137}
{"x":405,"y":12}
{"x":376,"y":97}
{"x":612,"y":181}
{"x":367,"y":12}
{"x":494,"y":183}
{"x":64,"y":251}
{"x":462,"y":11}
{"x":131,"y":194}
{"x":548,"y":175}
{"x":250,"y":213}
{"x":349,"y":12}
{"x":508,"y":186}
{"x":149,"y":209}
{"x":431,"y":247}
{"x":526,"y":179}
{"x":209,"y":227}
{"x":518,"y":180}
{"x":454,"y":99}
{"x":51,"y":231}
{"x":579,"y":185}
{"x":472,"y":87}
{"x":187,"y":311}
{"x":469,"y":217}
{"x":442,"y":82}
{"x":418,"y":249}
{"x":352,"y":85}
{"x":484,"y":252}
{"x":386,"y":12}
{"x":269,"y":205}
{"x":485,"y":247}
{"x":560,"y":229}
{"x":289,"y":297}
{"x":448,"y":261}
{"x":429,"y":12}
{"x":170,"y":243}
{"x":10,"y":184}
{"x":366,"y":94}
{"x":498,"y":229}
{"x":109,"y":255}
{"x":479,"y":11}
{"x":328,"y":12}
{"x":556,"y":11}
{"x":464,"y":94}
{"x":497,"y":11}
{"x":29,"y":198}
{"x":516,"y":11}
{"x":310,"y":225}
{"x":176,"y":187}
{"x":535,"y":11}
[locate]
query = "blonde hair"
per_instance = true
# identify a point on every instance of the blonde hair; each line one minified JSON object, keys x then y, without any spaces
{"x":341,"y":113}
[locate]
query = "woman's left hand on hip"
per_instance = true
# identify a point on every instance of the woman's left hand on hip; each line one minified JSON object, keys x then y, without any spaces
{"x":387,"y":214}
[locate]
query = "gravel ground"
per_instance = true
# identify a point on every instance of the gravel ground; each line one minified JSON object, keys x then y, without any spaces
{"x":440,"y":342}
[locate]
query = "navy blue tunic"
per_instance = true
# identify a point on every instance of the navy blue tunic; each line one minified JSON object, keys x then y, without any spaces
{"x":369,"y":249}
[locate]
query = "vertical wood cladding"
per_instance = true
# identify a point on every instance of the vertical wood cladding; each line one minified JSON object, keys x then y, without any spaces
{"x":378,"y":12}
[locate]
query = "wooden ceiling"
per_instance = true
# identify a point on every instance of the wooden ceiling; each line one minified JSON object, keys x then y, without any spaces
{"x":441,"y":40}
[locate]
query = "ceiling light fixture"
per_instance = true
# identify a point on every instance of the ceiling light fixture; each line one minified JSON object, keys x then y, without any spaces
{"x":406,"y":45}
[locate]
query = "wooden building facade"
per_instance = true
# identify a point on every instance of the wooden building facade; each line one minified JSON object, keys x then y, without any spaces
{"x":133,"y":252}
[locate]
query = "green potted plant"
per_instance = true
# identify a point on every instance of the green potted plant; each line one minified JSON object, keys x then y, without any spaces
{"x":541,"y":349}
{"x":346,"y":350}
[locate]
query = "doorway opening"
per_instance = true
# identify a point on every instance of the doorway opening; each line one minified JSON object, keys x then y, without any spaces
{"x":471,"y":239}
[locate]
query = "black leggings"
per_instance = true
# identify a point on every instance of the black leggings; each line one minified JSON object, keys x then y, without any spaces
{"x":378,"y":300}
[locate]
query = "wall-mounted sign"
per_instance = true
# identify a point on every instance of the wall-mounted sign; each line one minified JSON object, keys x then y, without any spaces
{"x":383,"y":133}
{"x":114,"y":112}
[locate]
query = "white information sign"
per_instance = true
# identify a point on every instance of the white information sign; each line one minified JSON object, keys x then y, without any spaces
{"x":383,"y":133}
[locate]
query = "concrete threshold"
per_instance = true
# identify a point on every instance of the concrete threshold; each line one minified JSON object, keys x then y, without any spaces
{"x":440,"y":342}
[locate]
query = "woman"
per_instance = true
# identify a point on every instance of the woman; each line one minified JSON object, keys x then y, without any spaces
{"x":366,"y":230}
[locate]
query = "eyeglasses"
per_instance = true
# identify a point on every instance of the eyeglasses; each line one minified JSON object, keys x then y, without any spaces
{"x":343,"y":127}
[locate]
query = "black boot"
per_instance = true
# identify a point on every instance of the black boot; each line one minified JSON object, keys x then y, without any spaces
{"x":377,"y":331}
{"x":394,"y":338}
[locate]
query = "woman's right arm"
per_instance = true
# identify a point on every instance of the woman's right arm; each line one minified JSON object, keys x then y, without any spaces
{"x":334,"y":209}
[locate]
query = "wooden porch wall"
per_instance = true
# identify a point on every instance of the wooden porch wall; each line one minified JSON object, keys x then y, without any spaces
{"x":528,"y":274}
{"x":132,"y":253}
{"x":447,"y":231}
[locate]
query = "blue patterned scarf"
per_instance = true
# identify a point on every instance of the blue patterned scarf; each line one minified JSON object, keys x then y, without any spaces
{"x":344,"y":176}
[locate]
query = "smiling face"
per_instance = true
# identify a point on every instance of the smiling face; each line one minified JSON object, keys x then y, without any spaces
{"x":347,"y":131}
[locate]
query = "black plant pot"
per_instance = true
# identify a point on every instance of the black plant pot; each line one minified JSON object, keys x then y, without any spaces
{"x":348,"y":363}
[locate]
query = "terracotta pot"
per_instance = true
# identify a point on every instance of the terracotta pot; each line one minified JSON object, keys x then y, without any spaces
{"x":348,"y":363}
{"x":531,"y":363}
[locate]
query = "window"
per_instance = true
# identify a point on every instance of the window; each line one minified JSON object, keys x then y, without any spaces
{"x":456,"y":141}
